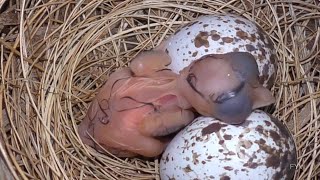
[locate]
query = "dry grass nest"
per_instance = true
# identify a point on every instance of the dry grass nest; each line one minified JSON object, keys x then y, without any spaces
{"x":56,"y":54}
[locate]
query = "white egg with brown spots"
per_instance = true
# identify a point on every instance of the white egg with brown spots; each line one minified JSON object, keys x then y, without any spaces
{"x":220,"y":34}
{"x":261,"y":148}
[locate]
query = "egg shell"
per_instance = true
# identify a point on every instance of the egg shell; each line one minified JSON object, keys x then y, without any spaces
{"x":260,"y":148}
{"x":219,"y":34}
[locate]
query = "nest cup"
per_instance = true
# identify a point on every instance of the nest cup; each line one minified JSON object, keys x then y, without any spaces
{"x":56,"y":54}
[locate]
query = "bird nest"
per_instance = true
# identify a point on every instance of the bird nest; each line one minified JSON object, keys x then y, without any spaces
{"x":55,"y":55}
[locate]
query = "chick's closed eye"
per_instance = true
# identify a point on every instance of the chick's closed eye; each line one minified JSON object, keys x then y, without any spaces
{"x":228,"y":95}
{"x":192,"y":80}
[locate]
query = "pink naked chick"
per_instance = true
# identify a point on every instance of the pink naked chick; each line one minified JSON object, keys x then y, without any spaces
{"x":134,"y":107}
{"x":144,"y":102}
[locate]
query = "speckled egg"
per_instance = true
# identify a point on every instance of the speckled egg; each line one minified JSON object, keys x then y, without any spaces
{"x":219,"y":34}
{"x":261,"y":148}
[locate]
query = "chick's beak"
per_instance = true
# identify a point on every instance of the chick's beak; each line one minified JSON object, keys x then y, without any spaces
{"x":234,"y":110}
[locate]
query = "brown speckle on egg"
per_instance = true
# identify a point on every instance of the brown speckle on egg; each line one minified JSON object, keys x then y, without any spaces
{"x":227,"y":137}
{"x":273,"y":161}
{"x":236,"y":171}
{"x":274,"y":135}
{"x":261,"y":141}
{"x":167,"y":158}
{"x":195,"y":158}
{"x":187,"y":169}
{"x":213,"y":32}
{"x":205,"y":25}
{"x":284,"y":131}
{"x":194,"y":54}
{"x":236,"y":39}
{"x":263,"y":52}
{"x":260,"y":58}
{"x":229,"y":168}
{"x":229,"y":153}
{"x":225,"y":178}
{"x":227,"y":39}
{"x":253,"y":38}
{"x":251,"y":165}
{"x":241,"y":154}
{"x":201,"y":39}
{"x":238,"y":21}
{"x":220,"y":50}
{"x":265,"y":73}
{"x":260,"y":46}
{"x":242,"y":35}
{"x":259,"y":128}
{"x":267,"y":149}
{"x":246,"y":144}
{"x":214,"y":35}
{"x":249,"y":47}
{"x":221,"y":142}
{"x":212,"y":128}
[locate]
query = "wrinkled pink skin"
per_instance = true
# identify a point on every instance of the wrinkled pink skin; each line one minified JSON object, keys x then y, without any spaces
{"x":139,"y":104}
